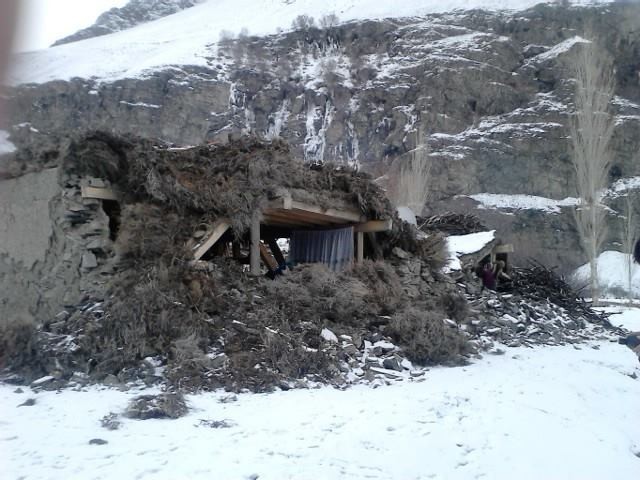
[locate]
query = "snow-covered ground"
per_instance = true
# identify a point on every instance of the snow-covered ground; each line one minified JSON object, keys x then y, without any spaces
{"x":612,"y":273}
{"x":187,"y":37}
{"x":624,"y":315}
{"x":562,"y":412}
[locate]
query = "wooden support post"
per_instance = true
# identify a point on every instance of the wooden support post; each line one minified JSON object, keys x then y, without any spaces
{"x":275,"y":249}
{"x":359,"y":247}
{"x":254,"y":257}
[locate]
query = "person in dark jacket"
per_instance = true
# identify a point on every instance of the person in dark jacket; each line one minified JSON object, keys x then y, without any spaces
{"x":488,"y":277}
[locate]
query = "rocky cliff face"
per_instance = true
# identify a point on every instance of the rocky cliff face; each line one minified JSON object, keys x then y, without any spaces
{"x":493,"y":90}
{"x":133,"y":13}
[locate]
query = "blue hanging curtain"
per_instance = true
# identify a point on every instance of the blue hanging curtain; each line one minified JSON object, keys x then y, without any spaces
{"x":334,"y":248}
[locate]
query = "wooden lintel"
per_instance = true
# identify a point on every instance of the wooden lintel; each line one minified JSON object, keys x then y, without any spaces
{"x":213,"y":235}
{"x":100,"y":193}
{"x":374,"y":226}
{"x":506,"y":248}
{"x":274,"y":220}
{"x":344,"y":215}
{"x":300,"y":217}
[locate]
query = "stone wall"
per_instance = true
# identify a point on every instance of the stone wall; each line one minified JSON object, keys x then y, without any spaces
{"x":54,"y":246}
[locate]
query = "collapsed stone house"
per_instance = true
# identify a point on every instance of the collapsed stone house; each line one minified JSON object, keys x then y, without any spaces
{"x":124,"y":246}
{"x":59,"y":226}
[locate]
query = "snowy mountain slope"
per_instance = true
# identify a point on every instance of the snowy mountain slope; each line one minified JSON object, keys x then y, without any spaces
{"x":187,"y":37}
{"x":555,"y":413}
{"x":133,"y":13}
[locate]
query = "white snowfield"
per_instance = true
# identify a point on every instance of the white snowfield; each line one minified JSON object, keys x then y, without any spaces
{"x":548,"y":413}
{"x":612,"y":273}
{"x":189,"y":37}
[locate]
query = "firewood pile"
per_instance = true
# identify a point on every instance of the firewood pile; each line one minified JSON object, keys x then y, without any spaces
{"x":452,"y":223}
{"x":542,"y":283}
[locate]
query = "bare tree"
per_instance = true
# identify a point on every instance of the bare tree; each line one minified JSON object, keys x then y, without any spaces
{"x":329,"y":21}
{"x":412,"y":172}
{"x":303,"y":22}
{"x":591,"y":130}
{"x":629,"y":239}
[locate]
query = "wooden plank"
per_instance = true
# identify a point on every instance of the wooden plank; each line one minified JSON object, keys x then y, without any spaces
{"x":270,"y":219}
{"x":267,"y":258}
{"x":254,"y":253}
{"x":506,"y":248}
{"x":302,"y":217}
{"x":374,"y":226}
{"x":275,"y":249}
{"x":346,"y":215}
{"x":292,"y":217}
{"x":217,"y":230}
{"x":99,"y":193}
{"x":359,"y":247}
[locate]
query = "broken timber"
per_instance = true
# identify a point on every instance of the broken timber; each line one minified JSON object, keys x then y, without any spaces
{"x":213,"y":235}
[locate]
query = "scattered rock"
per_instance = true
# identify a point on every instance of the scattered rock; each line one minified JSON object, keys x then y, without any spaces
{"x":110,"y":421}
{"x":392,"y":363}
{"x":97,"y":441}
{"x":165,"y":405}
{"x":228,"y":399}
{"x":29,"y":402}
{"x":215,"y":423}
{"x":328,"y":335}
{"x":18,"y":390}
{"x":89,"y":261}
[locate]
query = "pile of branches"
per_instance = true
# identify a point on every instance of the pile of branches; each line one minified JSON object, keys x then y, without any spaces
{"x":541,"y":283}
{"x":452,"y":223}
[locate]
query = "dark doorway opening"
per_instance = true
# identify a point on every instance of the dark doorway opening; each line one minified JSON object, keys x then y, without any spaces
{"x":112,"y":209}
{"x":636,"y":252}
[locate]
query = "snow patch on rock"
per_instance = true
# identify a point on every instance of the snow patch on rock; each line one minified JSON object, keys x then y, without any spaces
{"x":5,"y":145}
{"x":522,"y":202}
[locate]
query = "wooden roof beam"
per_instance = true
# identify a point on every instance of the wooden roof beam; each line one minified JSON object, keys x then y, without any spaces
{"x":374,"y":226}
